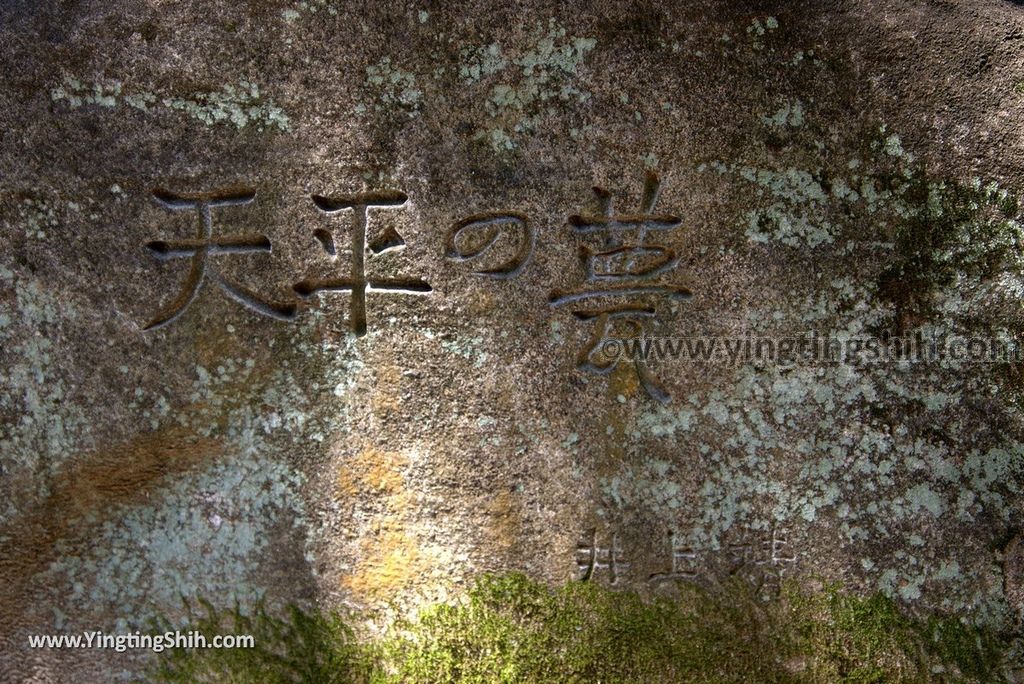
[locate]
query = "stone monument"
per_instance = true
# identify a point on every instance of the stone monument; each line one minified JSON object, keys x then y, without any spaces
{"x":348,"y":303}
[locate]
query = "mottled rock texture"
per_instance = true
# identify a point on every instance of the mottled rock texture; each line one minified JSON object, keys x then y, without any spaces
{"x":849,"y":168}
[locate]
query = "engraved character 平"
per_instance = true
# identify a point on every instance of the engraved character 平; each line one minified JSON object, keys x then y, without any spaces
{"x":356,"y":281}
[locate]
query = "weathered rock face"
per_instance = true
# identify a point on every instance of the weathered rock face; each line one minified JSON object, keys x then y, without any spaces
{"x":315,"y":301}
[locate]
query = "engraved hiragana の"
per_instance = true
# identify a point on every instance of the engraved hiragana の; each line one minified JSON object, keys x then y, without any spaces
{"x":474,"y":236}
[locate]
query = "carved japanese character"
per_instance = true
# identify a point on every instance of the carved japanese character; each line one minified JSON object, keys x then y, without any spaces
{"x":202,"y":247}
{"x":476,"y":235}
{"x":626,"y":269}
{"x":591,"y":559}
{"x":356,"y":281}
{"x":683,"y":557}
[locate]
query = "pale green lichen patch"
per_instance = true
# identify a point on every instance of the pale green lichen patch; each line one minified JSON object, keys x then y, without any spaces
{"x":240,"y":104}
{"x":44,"y":428}
{"x":142,"y":101}
{"x":106,"y":93}
{"x":533,"y":82}
{"x":524,"y":84}
{"x":78,"y":94}
{"x":199,"y":538}
{"x":293,"y":13}
{"x":479,"y":62}
{"x":794,"y":212}
{"x":758,"y":30}
{"x":470,"y":348}
{"x":396,"y":87}
{"x":36,"y":217}
{"x":865,"y":480}
{"x":196,"y":532}
{"x":959,"y":249}
{"x":790,"y":114}
{"x":651,"y":480}
{"x":650,"y":160}
{"x":810,"y":207}
{"x":888,"y":456}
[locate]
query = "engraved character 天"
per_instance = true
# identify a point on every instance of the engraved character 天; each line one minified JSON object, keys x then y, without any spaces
{"x":356,"y":281}
{"x":199,"y":250}
{"x":624,"y":278}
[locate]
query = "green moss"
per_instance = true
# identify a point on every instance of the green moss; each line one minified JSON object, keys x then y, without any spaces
{"x":302,"y":647}
{"x":975,"y":652}
{"x":513,"y":629}
{"x":951,"y":232}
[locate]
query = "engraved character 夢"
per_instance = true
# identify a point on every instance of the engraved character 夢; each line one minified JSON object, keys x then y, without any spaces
{"x":624,"y":277}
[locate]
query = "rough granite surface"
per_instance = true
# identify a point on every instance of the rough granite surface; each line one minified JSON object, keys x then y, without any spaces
{"x":850,"y":168}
